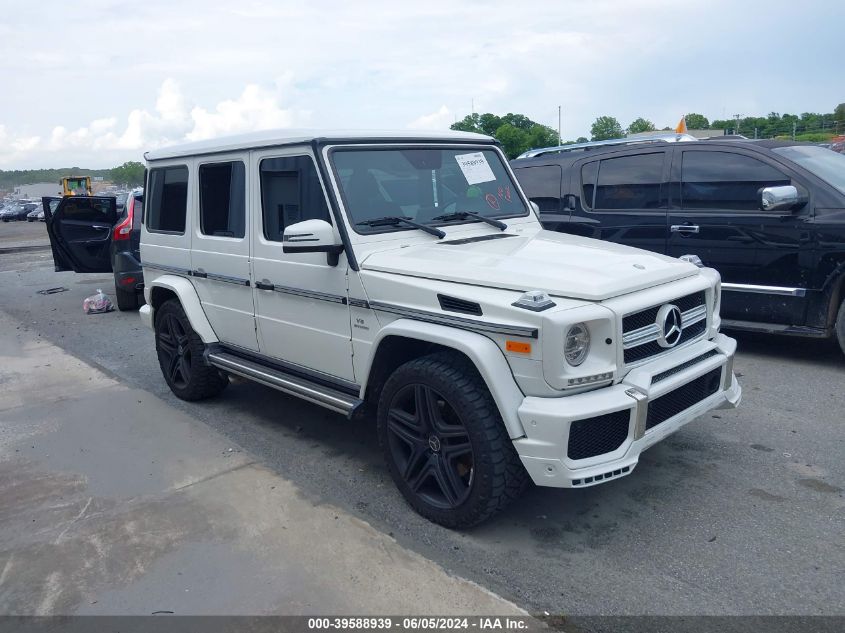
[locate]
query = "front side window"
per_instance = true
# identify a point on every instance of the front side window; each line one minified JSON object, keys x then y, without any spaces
{"x":87,"y":209}
{"x":827,"y":165}
{"x":223,"y":199}
{"x":290,"y":193}
{"x":427,"y":185}
{"x":167,"y":199}
{"x":724,"y":180}
{"x":629,"y":182}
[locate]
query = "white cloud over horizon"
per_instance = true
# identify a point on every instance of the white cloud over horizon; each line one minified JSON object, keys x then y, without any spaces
{"x":161,"y":72}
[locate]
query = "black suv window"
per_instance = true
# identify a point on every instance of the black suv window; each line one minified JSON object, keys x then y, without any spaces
{"x":724,"y":180}
{"x":168,"y":199}
{"x":290,"y":193}
{"x":85,"y":209}
{"x":222,"y":199}
{"x":589,"y":171}
{"x":630,"y":182}
{"x":543,"y":183}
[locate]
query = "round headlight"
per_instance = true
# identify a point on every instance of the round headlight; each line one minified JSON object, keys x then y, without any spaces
{"x":577,"y":344}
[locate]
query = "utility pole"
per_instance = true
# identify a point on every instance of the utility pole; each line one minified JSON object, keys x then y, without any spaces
{"x":559,"y":138}
{"x":755,"y":133}
{"x":737,"y":117}
{"x":793,"y":130}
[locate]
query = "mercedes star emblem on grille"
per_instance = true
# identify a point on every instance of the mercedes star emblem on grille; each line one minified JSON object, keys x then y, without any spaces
{"x":669,"y":322}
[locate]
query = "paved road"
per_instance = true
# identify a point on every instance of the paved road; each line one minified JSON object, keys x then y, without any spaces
{"x":742,"y":512}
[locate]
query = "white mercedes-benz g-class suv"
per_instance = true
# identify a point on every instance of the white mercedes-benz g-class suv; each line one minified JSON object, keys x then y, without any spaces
{"x":407,"y":274}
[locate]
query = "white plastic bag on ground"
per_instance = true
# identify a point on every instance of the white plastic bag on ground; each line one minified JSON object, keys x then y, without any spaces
{"x":97,"y":303}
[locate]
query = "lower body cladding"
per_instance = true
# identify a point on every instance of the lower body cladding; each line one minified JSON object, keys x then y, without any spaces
{"x":592,"y":437}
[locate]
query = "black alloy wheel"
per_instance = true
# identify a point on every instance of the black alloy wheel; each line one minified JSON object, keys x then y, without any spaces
{"x":175,"y":351}
{"x":430,"y":445}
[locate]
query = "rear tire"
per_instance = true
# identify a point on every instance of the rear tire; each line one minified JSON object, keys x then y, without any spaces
{"x":840,"y":326}
{"x":445,"y":443}
{"x":180,"y":356}
{"x":126,"y":300}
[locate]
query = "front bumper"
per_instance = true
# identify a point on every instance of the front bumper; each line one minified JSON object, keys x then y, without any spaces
{"x":552,"y":450}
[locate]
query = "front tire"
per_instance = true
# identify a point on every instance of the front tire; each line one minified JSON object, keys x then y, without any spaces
{"x":840,"y":326}
{"x":180,"y":356}
{"x":445,"y":443}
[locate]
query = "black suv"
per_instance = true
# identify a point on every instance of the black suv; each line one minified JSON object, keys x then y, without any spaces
{"x":94,"y":224}
{"x":768,"y":215}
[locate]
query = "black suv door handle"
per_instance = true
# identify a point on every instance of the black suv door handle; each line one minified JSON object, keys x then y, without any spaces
{"x":262,"y":285}
{"x":684,"y":228}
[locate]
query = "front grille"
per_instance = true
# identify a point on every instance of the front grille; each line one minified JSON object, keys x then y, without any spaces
{"x":671,"y":404}
{"x":598,"y":435}
{"x":647,"y":350}
{"x":648,"y":316}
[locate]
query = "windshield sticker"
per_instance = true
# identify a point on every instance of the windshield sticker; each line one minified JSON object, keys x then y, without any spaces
{"x":492,"y":201}
{"x":475,"y":168}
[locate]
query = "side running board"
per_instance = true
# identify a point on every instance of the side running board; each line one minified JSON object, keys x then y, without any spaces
{"x":293,"y":385}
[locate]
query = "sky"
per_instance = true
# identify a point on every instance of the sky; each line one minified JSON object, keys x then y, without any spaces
{"x":94,"y":83}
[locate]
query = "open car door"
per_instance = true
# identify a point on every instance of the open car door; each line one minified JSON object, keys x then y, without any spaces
{"x":80,"y":230}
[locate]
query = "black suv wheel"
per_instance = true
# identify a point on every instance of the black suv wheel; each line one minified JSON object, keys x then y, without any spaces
{"x":180,"y":356}
{"x":445,"y":443}
{"x":840,"y":326}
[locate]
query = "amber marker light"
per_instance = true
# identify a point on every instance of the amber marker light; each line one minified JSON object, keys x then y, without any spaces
{"x":518,"y":347}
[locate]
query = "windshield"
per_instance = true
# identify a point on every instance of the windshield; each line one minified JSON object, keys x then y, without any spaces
{"x":424,"y":184}
{"x":824,"y":163}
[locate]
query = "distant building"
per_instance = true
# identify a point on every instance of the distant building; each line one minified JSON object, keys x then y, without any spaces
{"x":38,"y":190}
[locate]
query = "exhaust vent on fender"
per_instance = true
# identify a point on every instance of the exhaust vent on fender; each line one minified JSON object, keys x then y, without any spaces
{"x":453,"y":304}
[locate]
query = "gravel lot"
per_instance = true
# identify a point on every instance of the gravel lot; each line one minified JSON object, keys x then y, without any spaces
{"x":741,"y":512}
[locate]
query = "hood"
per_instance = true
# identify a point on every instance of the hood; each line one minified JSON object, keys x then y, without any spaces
{"x":559,"y":264}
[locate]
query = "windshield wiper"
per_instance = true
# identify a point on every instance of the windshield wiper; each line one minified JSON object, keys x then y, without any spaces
{"x":398,"y":219}
{"x":463,"y":215}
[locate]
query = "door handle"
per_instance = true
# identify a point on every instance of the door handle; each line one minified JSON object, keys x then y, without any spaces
{"x":264,"y":285}
{"x":684,"y":228}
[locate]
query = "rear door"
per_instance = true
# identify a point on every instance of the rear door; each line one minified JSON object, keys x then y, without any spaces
{"x":80,"y":232}
{"x":621,"y":198}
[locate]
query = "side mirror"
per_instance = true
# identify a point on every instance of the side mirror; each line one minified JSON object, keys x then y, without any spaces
{"x":782,"y":198}
{"x":312,"y":236}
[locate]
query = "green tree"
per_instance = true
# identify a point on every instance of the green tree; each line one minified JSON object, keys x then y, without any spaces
{"x":697,"y":121}
{"x":640,"y":125}
{"x":470,"y":123}
{"x":129,"y":174}
{"x":516,"y":132}
{"x":582,"y":139}
{"x":514,"y":141}
{"x":839,"y":117}
{"x":605,"y":127}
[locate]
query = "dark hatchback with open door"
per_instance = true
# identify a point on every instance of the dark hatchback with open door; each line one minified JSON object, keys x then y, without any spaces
{"x":89,"y":234}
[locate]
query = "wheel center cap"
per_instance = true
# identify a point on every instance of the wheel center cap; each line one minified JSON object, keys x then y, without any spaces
{"x":434,"y":443}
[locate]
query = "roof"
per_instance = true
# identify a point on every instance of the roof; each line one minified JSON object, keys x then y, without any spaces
{"x":272,"y":138}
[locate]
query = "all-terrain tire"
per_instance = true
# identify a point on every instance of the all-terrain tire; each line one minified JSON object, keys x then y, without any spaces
{"x":180,"y":356}
{"x":497,"y":476}
{"x":840,"y":326}
{"x":126,"y":300}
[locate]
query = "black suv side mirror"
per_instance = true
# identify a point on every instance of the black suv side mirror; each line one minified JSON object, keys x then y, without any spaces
{"x":783,"y":198}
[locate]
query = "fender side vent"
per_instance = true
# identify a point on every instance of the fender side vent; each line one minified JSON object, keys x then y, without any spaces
{"x":453,"y":304}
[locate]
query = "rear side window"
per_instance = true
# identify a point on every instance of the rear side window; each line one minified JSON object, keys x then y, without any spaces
{"x":167,"y":199}
{"x":542,"y":186}
{"x":223,"y":199}
{"x":290,"y":193}
{"x":630,"y":182}
{"x":723,"y":180}
{"x":86,"y":209}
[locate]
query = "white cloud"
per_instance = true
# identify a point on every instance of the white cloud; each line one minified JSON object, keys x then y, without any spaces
{"x":439,"y":120}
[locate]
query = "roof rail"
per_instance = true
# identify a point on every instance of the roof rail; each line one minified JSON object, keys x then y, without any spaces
{"x":658,"y":137}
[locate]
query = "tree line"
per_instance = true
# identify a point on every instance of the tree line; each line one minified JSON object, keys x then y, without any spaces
{"x":517,"y":133}
{"x":129,"y":174}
